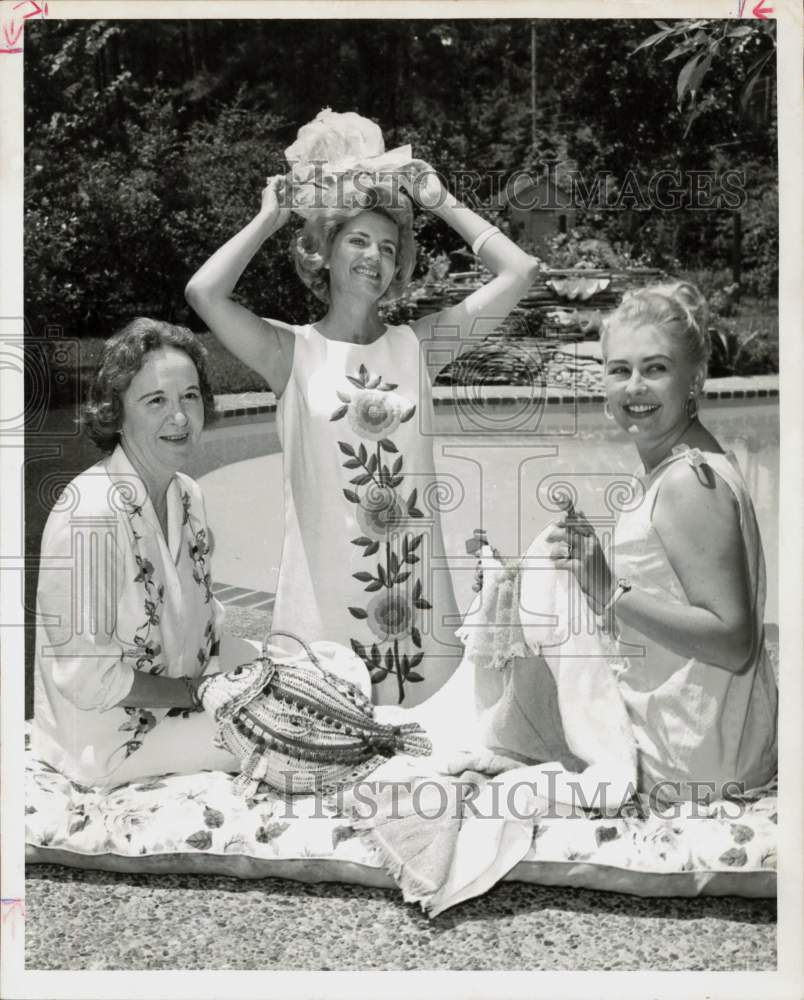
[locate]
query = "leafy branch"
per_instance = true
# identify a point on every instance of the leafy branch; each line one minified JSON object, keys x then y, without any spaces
{"x":392,"y":573}
{"x":704,"y":42}
{"x":391,"y":663}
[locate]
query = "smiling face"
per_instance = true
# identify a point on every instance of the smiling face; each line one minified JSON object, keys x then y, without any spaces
{"x":364,"y":256}
{"x":648,"y":378}
{"x":163,"y":413}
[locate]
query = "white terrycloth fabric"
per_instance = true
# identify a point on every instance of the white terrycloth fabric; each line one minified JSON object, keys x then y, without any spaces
{"x":582,"y":658}
{"x":445,"y":839}
{"x":531,"y":646}
{"x":529,"y":616}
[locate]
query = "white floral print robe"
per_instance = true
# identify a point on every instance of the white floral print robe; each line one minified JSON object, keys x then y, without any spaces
{"x":363,"y":557}
{"x":114,"y":597}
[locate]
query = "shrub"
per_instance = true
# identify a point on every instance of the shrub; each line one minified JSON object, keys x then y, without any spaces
{"x":740,"y":353}
{"x":583,"y":247}
{"x":760,"y":231}
{"x":116,"y":231}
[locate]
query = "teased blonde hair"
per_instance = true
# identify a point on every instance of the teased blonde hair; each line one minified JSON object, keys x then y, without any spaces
{"x":678,"y":307}
{"x":313,"y":246}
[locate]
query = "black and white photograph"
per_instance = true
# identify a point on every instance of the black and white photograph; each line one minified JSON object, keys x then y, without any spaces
{"x":402,"y":471}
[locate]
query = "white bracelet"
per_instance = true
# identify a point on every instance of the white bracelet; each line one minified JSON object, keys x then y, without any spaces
{"x":481,"y":240}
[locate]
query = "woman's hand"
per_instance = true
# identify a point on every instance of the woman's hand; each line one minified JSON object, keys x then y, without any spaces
{"x":482,"y":761}
{"x":482,"y":311}
{"x":276,"y":201}
{"x":575,"y":546}
{"x":423,"y":185}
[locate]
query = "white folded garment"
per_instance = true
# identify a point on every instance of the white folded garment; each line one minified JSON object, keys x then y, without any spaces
{"x":538,"y":675}
{"x":529,"y":619}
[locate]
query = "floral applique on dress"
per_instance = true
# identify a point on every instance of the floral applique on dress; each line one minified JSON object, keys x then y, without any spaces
{"x":147,"y":648}
{"x":384,"y":509}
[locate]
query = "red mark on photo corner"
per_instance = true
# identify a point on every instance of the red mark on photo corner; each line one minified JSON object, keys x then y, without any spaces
{"x":12,"y":908}
{"x":13,"y":17}
{"x":759,"y":10}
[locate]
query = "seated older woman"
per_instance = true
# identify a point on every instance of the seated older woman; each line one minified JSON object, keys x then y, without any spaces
{"x":128,"y":622}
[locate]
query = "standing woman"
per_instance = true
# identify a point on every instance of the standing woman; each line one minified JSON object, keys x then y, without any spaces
{"x":687,"y":586}
{"x":363,"y":558}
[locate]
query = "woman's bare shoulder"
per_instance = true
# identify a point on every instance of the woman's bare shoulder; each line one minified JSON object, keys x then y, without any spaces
{"x":691,"y":490}
{"x":284,"y":329}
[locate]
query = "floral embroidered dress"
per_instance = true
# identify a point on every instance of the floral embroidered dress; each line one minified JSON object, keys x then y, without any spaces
{"x":694,"y":721}
{"x":363,"y":557}
{"x":115,"y":597}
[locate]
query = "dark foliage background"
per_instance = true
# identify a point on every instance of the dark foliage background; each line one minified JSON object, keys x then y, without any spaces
{"x":148,"y":142}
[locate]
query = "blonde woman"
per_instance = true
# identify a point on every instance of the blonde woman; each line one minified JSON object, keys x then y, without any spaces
{"x":686,"y":587}
{"x":363,"y":559}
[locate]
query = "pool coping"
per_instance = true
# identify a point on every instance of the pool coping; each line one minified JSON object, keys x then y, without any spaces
{"x":252,"y":404}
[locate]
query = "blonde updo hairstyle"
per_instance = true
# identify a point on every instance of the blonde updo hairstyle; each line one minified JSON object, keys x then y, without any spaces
{"x":677,"y":307}
{"x":313,"y":246}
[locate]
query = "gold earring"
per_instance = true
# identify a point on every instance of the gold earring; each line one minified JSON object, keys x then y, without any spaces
{"x":607,"y":411}
{"x":692,"y":405}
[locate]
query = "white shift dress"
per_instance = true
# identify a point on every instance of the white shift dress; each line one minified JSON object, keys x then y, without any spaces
{"x":363,"y":556}
{"x":693,"y":721}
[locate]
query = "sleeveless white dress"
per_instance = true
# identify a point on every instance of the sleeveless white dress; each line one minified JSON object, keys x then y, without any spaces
{"x":693,"y":721}
{"x":363,"y":557}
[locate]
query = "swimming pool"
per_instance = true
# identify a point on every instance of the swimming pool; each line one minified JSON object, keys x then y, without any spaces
{"x":502,"y":466}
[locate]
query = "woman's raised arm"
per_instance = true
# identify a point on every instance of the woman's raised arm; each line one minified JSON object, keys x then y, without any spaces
{"x":266,"y":346}
{"x":699,"y":526}
{"x":514,"y":270}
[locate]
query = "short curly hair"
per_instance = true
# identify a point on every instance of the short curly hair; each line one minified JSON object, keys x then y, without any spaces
{"x":123,"y":356}
{"x":676,"y":306}
{"x":312,"y":247}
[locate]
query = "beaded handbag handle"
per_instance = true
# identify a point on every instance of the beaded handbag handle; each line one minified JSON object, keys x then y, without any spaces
{"x":266,"y":642}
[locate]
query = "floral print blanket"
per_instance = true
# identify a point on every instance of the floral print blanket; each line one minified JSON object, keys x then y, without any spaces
{"x":722,"y":848}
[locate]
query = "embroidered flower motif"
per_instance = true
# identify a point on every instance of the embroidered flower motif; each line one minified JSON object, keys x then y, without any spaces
{"x":380,"y":511}
{"x":146,"y":571}
{"x":375,"y":411}
{"x":147,"y":649}
{"x":140,"y":720}
{"x":139,"y":723}
{"x":374,"y":415}
{"x":389,"y":615}
{"x":146,"y":652}
{"x":197,"y":548}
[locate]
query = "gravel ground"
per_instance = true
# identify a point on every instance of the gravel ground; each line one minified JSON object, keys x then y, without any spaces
{"x":97,"y":920}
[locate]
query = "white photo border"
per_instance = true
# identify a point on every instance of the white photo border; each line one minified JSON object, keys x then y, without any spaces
{"x":786,"y":983}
